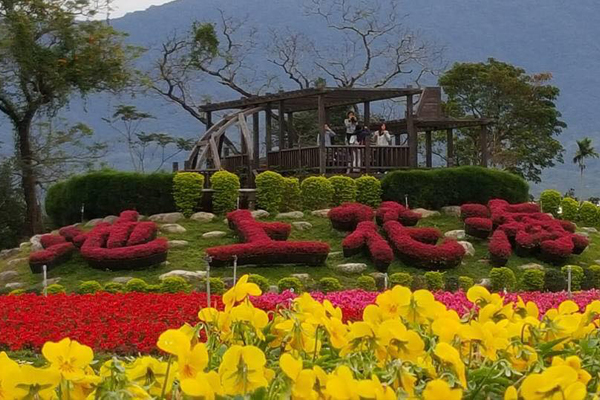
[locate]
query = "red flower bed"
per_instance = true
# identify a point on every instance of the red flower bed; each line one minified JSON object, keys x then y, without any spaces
{"x":119,"y":234}
{"x":471,"y":210}
{"x":51,"y":240}
{"x":366,"y":238}
{"x":478,"y":227}
{"x":527,"y":208}
{"x":143,"y":232}
{"x":50,"y":257}
{"x":277,"y":230}
{"x":580,"y":243}
{"x":499,"y":248}
{"x":557,"y":251}
{"x":392,"y":211}
{"x":567,"y":225}
{"x":347,"y":216}
{"x":128,"y":216}
{"x":70,"y":232}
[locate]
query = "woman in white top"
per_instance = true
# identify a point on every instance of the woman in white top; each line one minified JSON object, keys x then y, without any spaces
{"x":383,"y":136}
{"x":351,"y":123}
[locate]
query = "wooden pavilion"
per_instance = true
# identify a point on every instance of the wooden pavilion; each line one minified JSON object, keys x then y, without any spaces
{"x":423,"y":113}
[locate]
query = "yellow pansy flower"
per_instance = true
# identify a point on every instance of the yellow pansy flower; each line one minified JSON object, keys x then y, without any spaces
{"x":574,"y":362}
{"x":69,"y":357}
{"x":204,"y":385}
{"x":450,"y":355}
{"x":557,"y":382}
{"x":337,"y":331}
{"x":151,"y":373}
{"x":373,"y":389}
{"x":341,"y":385}
{"x":10,"y":376}
{"x":256,"y":317}
{"x":440,"y":390}
{"x":239,"y":292}
{"x":391,"y":301}
{"x":303,"y":379}
{"x":511,"y":393}
{"x":398,"y":341}
{"x":39,"y":382}
{"x":242,"y":370}
{"x":190,"y":359}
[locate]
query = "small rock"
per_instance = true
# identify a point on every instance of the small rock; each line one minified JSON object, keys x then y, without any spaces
{"x":36,"y":247}
{"x":178,"y":244}
{"x":111,"y":219}
{"x":166,"y":218}
{"x":8,"y":253}
{"x":142,"y":218}
{"x":426,"y":213}
{"x":291,"y":215}
{"x":54,"y":232}
{"x":203,"y":217}
{"x":35,"y":239}
{"x":485,"y":282}
{"x":457,"y":234}
{"x":453,"y":211}
{"x":302,"y":225}
{"x":469,"y":249}
{"x":122,"y":279}
{"x":379,"y":280}
{"x":173,"y":228}
{"x":226,"y":221}
{"x":304,"y":278}
{"x":15,"y":262}
{"x":15,"y":285}
{"x":24,"y":246}
{"x":36,"y":244}
{"x":321,"y":213}
{"x":190,"y":276}
{"x":589,"y":230}
{"x":93,"y":222}
{"x":214,"y":235}
{"x":586,"y":234}
{"x":334,"y":254}
{"x":258,"y":214}
{"x":273,"y":289}
{"x":531,"y":266}
{"x":52,"y":281}
{"x":351,"y":268}
{"x":7,"y":276}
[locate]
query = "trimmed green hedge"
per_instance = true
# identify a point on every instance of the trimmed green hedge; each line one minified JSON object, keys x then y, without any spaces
{"x":270,"y":188}
{"x":187,"y":191}
{"x":435,"y":188}
{"x":109,"y":192}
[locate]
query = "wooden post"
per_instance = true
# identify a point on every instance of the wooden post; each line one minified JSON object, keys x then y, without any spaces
{"x":450,"y":148}
{"x":209,"y":122}
{"x":255,"y":139}
{"x":413,"y":139}
{"x":483,"y":143}
{"x":268,"y":130}
{"x":291,"y":132}
{"x":367,"y":160}
{"x":175,"y":166}
{"x":281,"y":126}
{"x":187,"y":165}
{"x":322,"y":121}
{"x":428,"y":150}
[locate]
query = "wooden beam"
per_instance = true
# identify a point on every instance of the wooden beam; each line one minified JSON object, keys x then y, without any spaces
{"x":367,"y":113}
{"x":292,"y":139}
{"x":209,"y":122}
{"x":428,"y":150}
{"x":268,"y":130}
{"x":281,"y":114}
{"x":322,"y":118}
{"x":246,"y":137}
{"x":450,"y":147}
{"x":483,"y":143}
{"x":413,"y":156}
{"x":256,"y":138}
{"x":215,"y":153}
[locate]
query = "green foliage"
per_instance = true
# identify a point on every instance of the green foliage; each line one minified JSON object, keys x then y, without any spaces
{"x":187,"y":191}
{"x":400,"y":278}
{"x":366,"y":283}
{"x":292,"y":195}
{"x":328,"y":284}
{"x":317,"y":193}
{"x":585,"y":150}
{"x":217,"y":286}
{"x":290,"y":283}
{"x":451,"y":283}
{"x":153,"y":288}
{"x":523,"y":107}
{"x":260,"y":281}
{"x":554,"y":281}
{"x":226,"y":188}
{"x":109,"y":192}
{"x":465,"y":283}
{"x":418,"y":283}
{"x":439,"y":187}
{"x":550,"y":201}
{"x":55,"y":288}
{"x":368,"y":191}
{"x":502,"y":278}
{"x":175,"y":284}
{"x":577,"y":276}
{"x":114,"y":287}
{"x":434,"y":280}
{"x":12,"y":212}
{"x":570,"y":209}
{"x":89,"y":287}
{"x":344,"y":189}
{"x":17,"y":292}
{"x":533,"y":280}
{"x":270,"y":188}
{"x":136,"y":285}
{"x":589,"y":214}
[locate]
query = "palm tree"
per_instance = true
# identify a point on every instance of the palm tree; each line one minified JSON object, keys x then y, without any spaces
{"x":585,"y":150}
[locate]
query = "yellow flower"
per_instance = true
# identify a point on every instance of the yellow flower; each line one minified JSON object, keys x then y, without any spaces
{"x":208,"y":315}
{"x":557,"y":382}
{"x":574,"y":362}
{"x":39,"y":383}
{"x":243,"y":370}
{"x":341,"y":385}
{"x":10,"y":375}
{"x":190,"y":359}
{"x":422,"y":307}
{"x":69,"y":357}
{"x":450,"y":355}
{"x":522,"y":356}
{"x":373,"y":389}
{"x":239,"y":292}
{"x":203,"y":385}
{"x":304,"y":379}
{"x":491,"y":336}
{"x":256,"y":317}
{"x":391,"y":301}
{"x":447,"y":326}
{"x":151,"y":373}
{"x":337,"y":332}
{"x":511,"y":393}
{"x":440,"y":390}
{"x":81,"y":388}
{"x":399,"y":342}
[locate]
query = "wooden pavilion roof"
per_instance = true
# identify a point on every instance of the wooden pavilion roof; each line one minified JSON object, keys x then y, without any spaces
{"x":307,"y":99}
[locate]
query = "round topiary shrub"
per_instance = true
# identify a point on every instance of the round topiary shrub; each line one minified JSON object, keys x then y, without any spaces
{"x":17,"y":292}
{"x":317,"y":193}
{"x":226,"y":188}
{"x":187,"y":191}
{"x":174,"y":284}
{"x":153,"y":288}
{"x":290,"y":283}
{"x":577,"y":276}
{"x":502,"y":278}
{"x":434,"y":280}
{"x":270,"y":188}
{"x":592,"y":277}
{"x":366,"y":283}
{"x":418,"y":283}
{"x":328,"y":284}
{"x":554,"y":281}
{"x":550,"y":201}
{"x":400,"y":278}
{"x":136,"y":285}
{"x":368,"y":191}
{"x":114,"y":287}
{"x":89,"y":287}
{"x":56,"y":289}
{"x":217,"y":286}
{"x":533,"y":280}
{"x":465,"y":283}
{"x":570,"y":209}
{"x":260,"y":281}
{"x":292,"y":195}
{"x":589,"y":214}
{"x":344,"y":189}
{"x":451,"y":283}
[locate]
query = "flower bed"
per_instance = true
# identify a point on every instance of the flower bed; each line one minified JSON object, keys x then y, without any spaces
{"x":347,"y":216}
{"x":366,"y":239}
{"x":471,"y":210}
{"x":499,"y":248}
{"x":392,"y":211}
{"x":478,"y":227}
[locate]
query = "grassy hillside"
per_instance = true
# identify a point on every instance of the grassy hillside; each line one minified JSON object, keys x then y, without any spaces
{"x":191,"y":257}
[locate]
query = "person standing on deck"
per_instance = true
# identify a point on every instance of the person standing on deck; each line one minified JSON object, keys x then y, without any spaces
{"x":329,"y":135}
{"x":383,"y":136}
{"x":351,"y":123}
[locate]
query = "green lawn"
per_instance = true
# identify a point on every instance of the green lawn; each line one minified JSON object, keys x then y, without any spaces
{"x":191,"y":257}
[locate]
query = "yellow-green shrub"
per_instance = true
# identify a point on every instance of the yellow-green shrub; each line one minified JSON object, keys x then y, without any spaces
{"x":317,"y":193}
{"x":400,"y":278}
{"x":226,"y":188}
{"x":366,"y":283}
{"x":465,"y":282}
{"x":577,"y":276}
{"x":328,"y":284}
{"x":187,"y":191}
{"x":570,"y":209}
{"x":368,"y":190}
{"x":290,"y":283}
{"x":55,"y":288}
{"x":344,"y":189}
{"x":502,"y":278}
{"x":434,"y":280}
{"x":269,"y":191}
{"x":136,"y":285}
{"x":533,"y":280}
{"x":550,"y":201}
{"x":291,"y":194}
{"x":589,"y":214}
{"x":89,"y":287}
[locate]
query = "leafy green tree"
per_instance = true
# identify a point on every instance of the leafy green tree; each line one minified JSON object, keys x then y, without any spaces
{"x":585,"y":150}
{"x":49,"y":51}
{"x":12,"y":207}
{"x":526,"y":120}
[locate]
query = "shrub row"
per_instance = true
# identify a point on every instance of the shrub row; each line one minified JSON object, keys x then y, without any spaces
{"x":550,"y":280}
